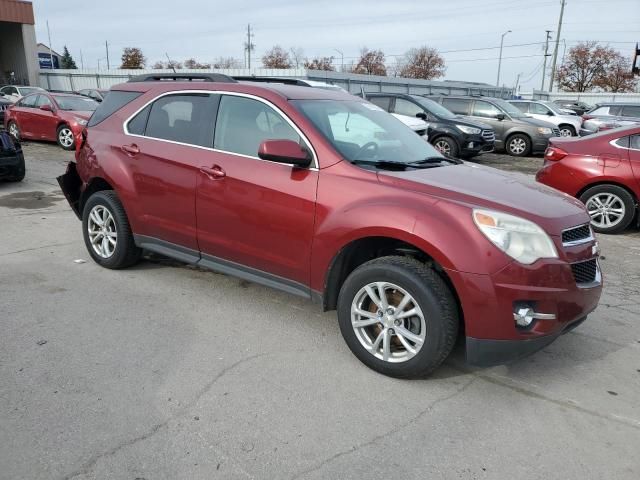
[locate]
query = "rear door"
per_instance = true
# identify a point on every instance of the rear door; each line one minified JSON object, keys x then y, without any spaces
{"x":634,"y":157}
{"x":24,"y":114}
{"x":256,"y":215}
{"x":165,"y":145}
{"x":44,"y":122}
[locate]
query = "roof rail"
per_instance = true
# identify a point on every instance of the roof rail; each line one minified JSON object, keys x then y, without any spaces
{"x":284,"y":80}
{"x":177,"y":77}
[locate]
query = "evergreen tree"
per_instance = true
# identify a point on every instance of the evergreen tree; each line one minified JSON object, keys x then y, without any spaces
{"x":67,"y":60}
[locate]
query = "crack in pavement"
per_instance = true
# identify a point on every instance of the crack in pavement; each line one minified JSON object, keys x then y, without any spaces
{"x":91,"y":463}
{"x":37,"y":248}
{"x":393,"y":431}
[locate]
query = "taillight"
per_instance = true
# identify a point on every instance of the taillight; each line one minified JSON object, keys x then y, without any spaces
{"x":554,"y":154}
{"x":586,"y":117}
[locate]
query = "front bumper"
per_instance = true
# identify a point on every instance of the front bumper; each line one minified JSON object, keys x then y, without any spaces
{"x":475,"y":144}
{"x":11,"y":165}
{"x":540,"y":143}
{"x":548,"y":286}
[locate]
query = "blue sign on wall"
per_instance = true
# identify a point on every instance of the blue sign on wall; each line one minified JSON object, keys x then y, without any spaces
{"x":45,"y":61}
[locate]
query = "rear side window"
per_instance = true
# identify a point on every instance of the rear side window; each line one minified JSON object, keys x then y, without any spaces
{"x":485,"y":109}
{"x":382,"y":102}
{"x":600,"y":111}
{"x":243,"y":124}
{"x":522,"y":106}
{"x":615,"y":110}
{"x":631,"y":111}
{"x":459,"y":106}
{"x":184,"y":118}
{"x":112,"y":104}
{"x":405,"y":107}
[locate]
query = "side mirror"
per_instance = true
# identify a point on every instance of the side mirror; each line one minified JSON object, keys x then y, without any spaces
{"x":550,"y":113}
{"x":46,"y":108}
{"x":422,"y":116}
{"x":501,"y":116}
{"x":284,"y":151}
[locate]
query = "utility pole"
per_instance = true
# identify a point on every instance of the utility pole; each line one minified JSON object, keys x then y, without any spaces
{"x":50,"y":50}
{"x":106,"y":46}
{"x":555,"y":50}
{"x":546,"y":54}
{"x":81,"y":60}
{"x":515,"y":89}
{"x":341,"y":59}
{"x":249,"y":46}
{"x":500,"y":58}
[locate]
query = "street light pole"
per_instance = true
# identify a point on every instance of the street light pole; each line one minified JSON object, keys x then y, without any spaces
{"x":555,"y":50}
{"x":341,"y":59}
{"x":500,"y":58}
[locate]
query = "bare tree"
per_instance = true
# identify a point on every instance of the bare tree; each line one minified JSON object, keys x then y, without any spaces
{"x":173,"y":64}
{"x":319,"y":63}
{"x":371,"y":62}
{"x":277,"y":57}
{"x":423,"y":62}
{"x":618,"y":77}
{"x":227,"y":62}
{"x":158,"y":65}
{"x":297,"y":56}
{"x":191,"y":64}
{"x":132,"y":58}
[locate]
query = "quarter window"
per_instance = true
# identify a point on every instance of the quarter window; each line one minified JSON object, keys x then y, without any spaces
{"x":244,"y":123}
{"x":459,"y":106}
{"x":138,"y":124}
{"x":631,"y":111}
{"x":635,"y":142}
{"x":405,"y":107}
{"x":184,"y":118}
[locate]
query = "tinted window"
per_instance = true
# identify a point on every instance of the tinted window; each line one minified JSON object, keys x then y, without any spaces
{"x":138,"y":124}
{"x":522,"y":106}
{"x":114,"y":102}
{"x":538,"y":109}
{"x":434,"y":108}
{"x":382,"y":102}
{"x":631,"y":111}
{"x":459,"y":106}
{"x":43,"y":100}
{"x":243,"y":124}
{"x":485,"y":109}
{"x":185,"y":118}
{"x":76,"y":103}
{"x":405,"y":107}
{"x":29,"y":101}
{"x":635,"y":142}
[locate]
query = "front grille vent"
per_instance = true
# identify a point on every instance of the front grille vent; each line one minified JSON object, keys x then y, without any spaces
{"x":580,"y":234}
{"x":585,"y":272}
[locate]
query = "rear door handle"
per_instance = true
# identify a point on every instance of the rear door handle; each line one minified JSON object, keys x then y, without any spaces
{"x":130,"y":150}
{"x":214,"y":172}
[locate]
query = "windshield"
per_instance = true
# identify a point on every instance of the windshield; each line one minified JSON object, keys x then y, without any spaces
{"x":512,"y":110}
{"x":79,"y":104}
{"x":363,"y":131}
{"x":27,"y":90}
{"x":435,"y":108}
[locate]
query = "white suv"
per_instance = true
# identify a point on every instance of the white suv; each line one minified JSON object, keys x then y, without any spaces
{"x":13,"y":93}
{"x":569,"y":125}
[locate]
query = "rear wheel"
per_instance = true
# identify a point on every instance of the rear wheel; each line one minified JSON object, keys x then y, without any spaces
{"x":567,"y":131}
{"x":64,"y":135}
{"x":107,"y":233}
{"x":610,"y":207}
{"x":446,"y":146}
{"x":398,"y":316}
{"x":518,"y":145}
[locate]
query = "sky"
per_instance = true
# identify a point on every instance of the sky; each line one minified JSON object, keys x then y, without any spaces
{"x":466,"y":32}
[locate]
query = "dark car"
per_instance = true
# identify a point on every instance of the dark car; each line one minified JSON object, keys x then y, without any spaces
{"x":516,"y":133}
{"x":98,"y":94}
{"x":450,"y":134}
{"x":575,"y":105}
{"x":602,"y":170}
{"x":57,"y":117}
{"x":323,"y":195}
{"x":12,"y":167}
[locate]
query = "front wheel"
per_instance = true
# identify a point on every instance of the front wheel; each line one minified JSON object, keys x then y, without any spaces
{"x":64,"y":135}
{"x":107,"y":233}
{"x":567,"y":131}
{"x":610,"y":207}
{"x":398,"y":316}
{"x":14,"y":130}
{"x":518,"y":145}
{"x":446,"y":146}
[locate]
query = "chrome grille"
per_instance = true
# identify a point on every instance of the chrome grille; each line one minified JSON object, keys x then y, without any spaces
{"x":585,"y":272}
{"x":489,"y":135}
{"x":556,"y":132}
{"x":577,"y":235}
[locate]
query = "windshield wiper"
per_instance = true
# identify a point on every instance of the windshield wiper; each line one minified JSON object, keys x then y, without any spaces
{"x":432,"y":160}
{"x":391,"y":165}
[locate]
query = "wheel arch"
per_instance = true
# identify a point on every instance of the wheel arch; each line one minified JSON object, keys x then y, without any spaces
{"x":96,"y":184}
{"x":629,"y":190}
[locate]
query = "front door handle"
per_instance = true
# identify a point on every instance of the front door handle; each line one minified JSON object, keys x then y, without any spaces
{"x":130,"y":150}
{"x":214,"y":172}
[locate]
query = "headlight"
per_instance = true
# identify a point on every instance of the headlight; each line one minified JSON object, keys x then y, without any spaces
{"x":80,"y":121}
{"x":521,"y":239}
{"x":469,"y":130}
{"x":544,"y":131}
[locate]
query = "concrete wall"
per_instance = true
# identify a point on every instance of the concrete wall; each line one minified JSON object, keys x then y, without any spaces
{"x":588,"y":97}
{"x":18,"y":53}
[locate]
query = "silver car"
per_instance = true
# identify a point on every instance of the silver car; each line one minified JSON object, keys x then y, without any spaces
{"x":569,"y":125}
{"x":610,"y":115}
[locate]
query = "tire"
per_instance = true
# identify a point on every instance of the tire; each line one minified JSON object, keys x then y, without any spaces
{"x":436,"y":320}
{"x":611,"y":208}
{"x":447,"y":146}
{"x":518,"y":145}
{"x":125,"y":252}
{"x":14,"y":130}
{"x":20,"y":171}
{"x":64,"y":137}
{"x":567,"y":131}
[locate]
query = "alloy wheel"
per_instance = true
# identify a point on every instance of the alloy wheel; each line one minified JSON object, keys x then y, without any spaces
{"x":566,"y":132}
{"x":517,"y":146}
{"x":443,"y":147}
{"x":13,"y":131}
{"x":65,"y":137}
{"x":606,"y":210}
{"x":388,"y":322}
{"x":102,"y":231}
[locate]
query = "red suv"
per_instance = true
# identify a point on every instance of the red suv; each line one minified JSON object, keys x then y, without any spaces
{"x":323,"y":195}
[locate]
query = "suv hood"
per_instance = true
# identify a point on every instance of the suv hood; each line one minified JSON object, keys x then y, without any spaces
{"x":535,"y":122}
{"x":486,"y":187}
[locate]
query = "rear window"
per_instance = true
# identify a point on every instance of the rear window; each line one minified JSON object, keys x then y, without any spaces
{"x":111,"y":104}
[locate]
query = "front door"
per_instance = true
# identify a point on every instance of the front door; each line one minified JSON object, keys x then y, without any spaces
{"x":488,"y":113}
{"x":255,"y":215}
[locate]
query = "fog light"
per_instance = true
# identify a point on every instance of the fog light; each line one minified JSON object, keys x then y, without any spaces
{"x":471,"y":144}
{"x":524,"y":316}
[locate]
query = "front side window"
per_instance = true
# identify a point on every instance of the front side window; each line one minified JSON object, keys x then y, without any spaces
{"x":522,"y":106}
{"x":459,"y":106}
{"x":600,"y":111}
{"x":43,"y":100}
{"x":29,"y":101}
{"x":405,"y":107}
{"x":539,"y":109}
{"x":244,"y":123}
{"x":485,"y":109}
{"x":184,"y":118}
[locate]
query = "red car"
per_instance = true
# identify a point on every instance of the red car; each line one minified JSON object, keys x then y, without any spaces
{"x":56,"y":117}
{"x":323,"y":195}
{"x":602,"y":170}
